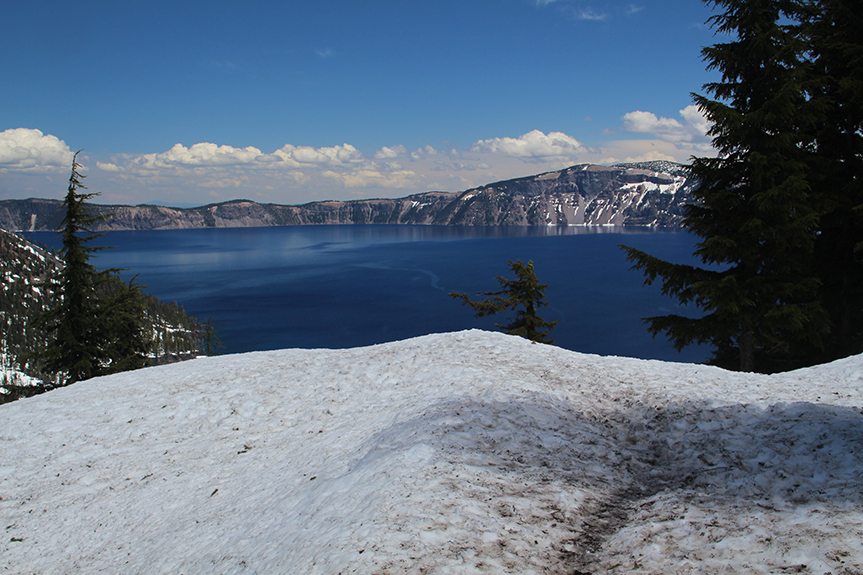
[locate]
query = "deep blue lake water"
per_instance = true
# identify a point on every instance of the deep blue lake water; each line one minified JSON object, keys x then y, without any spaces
{"x":347,"y":286}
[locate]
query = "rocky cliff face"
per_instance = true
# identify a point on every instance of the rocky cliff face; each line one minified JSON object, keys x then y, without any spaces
{"x":647,"y":194}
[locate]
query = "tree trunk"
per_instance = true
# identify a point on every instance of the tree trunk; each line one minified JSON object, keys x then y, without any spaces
{"x":747,"y":351}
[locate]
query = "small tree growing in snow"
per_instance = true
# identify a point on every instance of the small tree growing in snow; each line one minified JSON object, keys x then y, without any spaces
{"x":524,"y":294}
{"x":210,"y":342}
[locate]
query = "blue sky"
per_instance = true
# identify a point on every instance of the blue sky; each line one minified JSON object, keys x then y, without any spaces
{"x":289,"y":102}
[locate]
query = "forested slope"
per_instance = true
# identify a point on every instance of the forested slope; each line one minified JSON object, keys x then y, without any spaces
{"x":25,"y":270}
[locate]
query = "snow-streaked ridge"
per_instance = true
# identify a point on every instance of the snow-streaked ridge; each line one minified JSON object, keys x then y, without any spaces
{"x":471,"y":452}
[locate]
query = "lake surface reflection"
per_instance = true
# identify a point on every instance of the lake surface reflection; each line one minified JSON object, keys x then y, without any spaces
{"x":347,"y":286}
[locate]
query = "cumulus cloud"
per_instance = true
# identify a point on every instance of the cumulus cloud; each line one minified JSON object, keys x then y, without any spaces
{"x":208,"y":155}
{"x":27,"y":150}
{"x":386,"y":153}
{"x":388,"y":168}
{"x":533,"y":146}
{"x":423,"y":153}
{"x":696,"y":120}
{"x":298,"y":174}
{"x":648,"y":122}
{"x":297,"y":156}
{"x":202,"y":154}
{"x":298,"y":178}
{"x":693,"y":128}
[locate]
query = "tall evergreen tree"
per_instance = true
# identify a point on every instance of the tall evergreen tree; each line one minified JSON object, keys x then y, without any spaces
{"x":96,"y":327}
{"x":524,"y":294}
{"x":833,"y":29}
{"x":754,"y":208}
{"x":74,"y":319}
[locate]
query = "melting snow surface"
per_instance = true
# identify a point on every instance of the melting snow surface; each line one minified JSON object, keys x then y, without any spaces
{"x":471,"y":452}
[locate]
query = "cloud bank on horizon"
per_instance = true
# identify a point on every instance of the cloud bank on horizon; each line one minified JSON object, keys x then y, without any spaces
{"x":197,"y":102}
{"x":207,"y":172}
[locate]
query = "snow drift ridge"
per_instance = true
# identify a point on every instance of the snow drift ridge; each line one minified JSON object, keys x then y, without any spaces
{"x":471,"y":452}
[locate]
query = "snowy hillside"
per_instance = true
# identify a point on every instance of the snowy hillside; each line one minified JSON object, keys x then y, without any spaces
{"x":471,"y":452}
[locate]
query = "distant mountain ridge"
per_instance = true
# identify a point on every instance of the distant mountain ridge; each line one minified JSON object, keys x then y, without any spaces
{"x":644,"y":194}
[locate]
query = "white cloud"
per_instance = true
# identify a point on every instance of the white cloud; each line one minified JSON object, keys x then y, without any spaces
{"x":298,"y":174}
{"x":26,"y":150}
{"x":207,"y":155}
{"x":533,"y":146}
{"x":202,"y":154}
{"x":648,"y":122}
{"x":424,"y":153}
{"x":297,"y":156}
{"x":693,"y":128}
{"x":651,"y":149}
{"x":388,"y":153}
{"x":696,"y":120}
{"x":590,"y":14}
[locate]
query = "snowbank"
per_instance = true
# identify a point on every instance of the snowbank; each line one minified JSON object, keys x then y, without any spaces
{"x":470,"y":452}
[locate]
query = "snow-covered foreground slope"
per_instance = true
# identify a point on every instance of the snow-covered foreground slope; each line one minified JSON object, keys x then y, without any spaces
{"x":471,"y":452}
